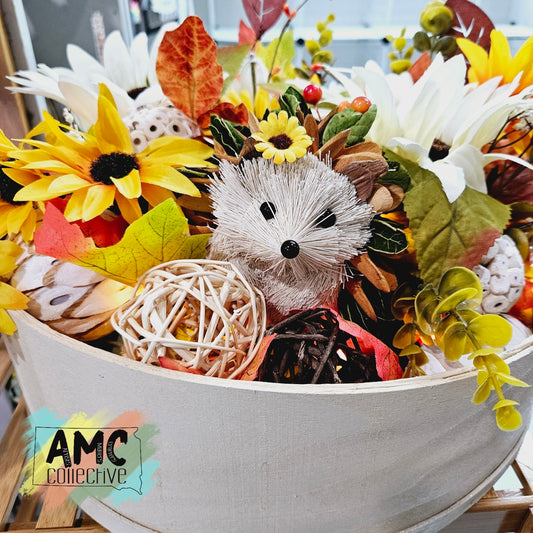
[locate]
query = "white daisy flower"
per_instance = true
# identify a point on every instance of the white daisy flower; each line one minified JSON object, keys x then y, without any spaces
{"x":439,"y":111}
{"x":128,"y":73}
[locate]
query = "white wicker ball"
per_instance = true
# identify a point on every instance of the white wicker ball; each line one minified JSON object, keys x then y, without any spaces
{"x":202,"y":314}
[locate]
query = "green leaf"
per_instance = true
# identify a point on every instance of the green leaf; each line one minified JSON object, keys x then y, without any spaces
{"x":504,"y":403}
{"x":283,"y":56}
{"x":491,"y":361}
{"x":412,"y":349}
{"x":387,"y":236}
{"x":225,"y":133}
{"x":491,"y":330}
{"x":447,"y":235}
{"x":341,"y":121}
{"x":362,"y":126}
{"x":159,"y":236}
{"x":231,"y":59}
{"x":289,"y":103}
{"x":396,"y":175}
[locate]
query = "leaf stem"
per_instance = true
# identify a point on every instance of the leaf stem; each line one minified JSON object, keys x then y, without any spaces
{"x":283,"y":30}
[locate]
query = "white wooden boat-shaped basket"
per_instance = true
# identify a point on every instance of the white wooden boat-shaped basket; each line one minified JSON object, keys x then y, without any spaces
{"x":408,"y":455}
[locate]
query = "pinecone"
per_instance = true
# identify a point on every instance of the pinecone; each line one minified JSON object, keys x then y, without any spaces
{"x":70,"y":299}
{"x":148,"y":123}
{"x":502,"y":276}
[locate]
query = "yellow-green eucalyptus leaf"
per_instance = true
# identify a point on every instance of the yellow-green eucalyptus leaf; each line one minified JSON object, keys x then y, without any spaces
{"x":482,"y":393}
{"x":459,"y":278}
{"x":460,"y":296}
{"x":425,"y":303}
{"x":491,"y":330}
{"x":412,"y":349}
{"x":456,"y":342}
{"x":511,"y":380}
{"x":404,"y":336}
{"x":508,"y":418}
{"x":504,"y":403}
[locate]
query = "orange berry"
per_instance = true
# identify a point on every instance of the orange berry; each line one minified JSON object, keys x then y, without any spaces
{"x":361,"y":104}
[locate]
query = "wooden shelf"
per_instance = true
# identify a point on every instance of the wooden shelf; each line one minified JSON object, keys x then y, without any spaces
{"x":499,"y":511}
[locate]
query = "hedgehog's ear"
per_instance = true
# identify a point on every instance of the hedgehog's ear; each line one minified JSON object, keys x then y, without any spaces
{"x":364,"y":174}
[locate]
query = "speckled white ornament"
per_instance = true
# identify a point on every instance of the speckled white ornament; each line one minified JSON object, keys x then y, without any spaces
{"x":501,"y":272}
{"x":148,"y":123}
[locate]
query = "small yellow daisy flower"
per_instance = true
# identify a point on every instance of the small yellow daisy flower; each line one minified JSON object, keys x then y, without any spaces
{"x":281,"y":138}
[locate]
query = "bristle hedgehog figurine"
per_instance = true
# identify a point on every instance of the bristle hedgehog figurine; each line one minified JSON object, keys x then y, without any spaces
{"x":289,"y":228}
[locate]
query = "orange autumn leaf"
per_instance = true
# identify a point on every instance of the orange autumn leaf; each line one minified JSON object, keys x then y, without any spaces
{"x":187,"y":68}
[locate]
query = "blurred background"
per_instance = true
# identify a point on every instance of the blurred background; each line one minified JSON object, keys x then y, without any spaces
{"x":39,"y":30}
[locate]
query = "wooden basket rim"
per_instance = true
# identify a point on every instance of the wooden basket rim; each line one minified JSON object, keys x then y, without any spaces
{"x":524,"y":349}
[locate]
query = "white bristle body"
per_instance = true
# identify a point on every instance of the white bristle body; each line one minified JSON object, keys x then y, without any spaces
{"x":300,"y":193}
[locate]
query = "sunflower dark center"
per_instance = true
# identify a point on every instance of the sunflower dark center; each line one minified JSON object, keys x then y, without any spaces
{"x":439,"y":150}
{"x":281,"y":141}
{"x":133,"y":93}
{"x":114,"y":165}
{"x":8,"y":188}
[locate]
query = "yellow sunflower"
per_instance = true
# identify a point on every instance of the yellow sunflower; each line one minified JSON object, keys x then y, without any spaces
{"x":15,"y":217}
{"x":10,"y":298}
{"x":262,"y":101}
{"x":100,"y":167}
{"x":281,"y":138}
{"x":498,"y":61}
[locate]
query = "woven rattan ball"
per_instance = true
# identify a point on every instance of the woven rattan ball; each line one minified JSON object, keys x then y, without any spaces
{"x":202,"y":314}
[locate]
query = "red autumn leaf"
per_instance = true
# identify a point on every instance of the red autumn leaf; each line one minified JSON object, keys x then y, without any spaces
{"x":246,"y":34}
{"x":172,"y":364}
{"x":263,"y":14}
{"x":103,"y":231}
{"x":478,"y":247}
{"x":236,"y":114}
{"x":420,"y":66}
{"x":187,"y":68}
{"x":250,"y":373}
{"x":471,"y":22}
{"x":512,"y":186}
{"x":59,"y":238}
{"x":387,"y":364}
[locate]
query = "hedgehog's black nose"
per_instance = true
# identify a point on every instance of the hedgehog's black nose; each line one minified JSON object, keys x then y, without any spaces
{"x":290,"y":249}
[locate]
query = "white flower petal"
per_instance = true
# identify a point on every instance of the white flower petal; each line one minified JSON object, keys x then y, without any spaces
{"x":84,"y":65}
{"x":34,"y":83}
{"x":118,"y":64}
{"x":82,"y":103}
{"x":169,"y":26}
{"x":408,"y":149}
{"x":470,"y":159}
{"x":141,"y":59}
{"x":451,"y":177}
{"x":424,"y":109}
{"x":376,"y":89}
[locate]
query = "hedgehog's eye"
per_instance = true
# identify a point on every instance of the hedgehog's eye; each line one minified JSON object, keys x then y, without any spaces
{"x":326,"y":219}
{"x":268,"y":210}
